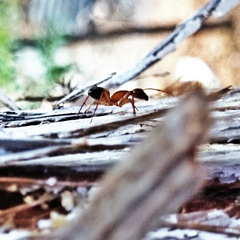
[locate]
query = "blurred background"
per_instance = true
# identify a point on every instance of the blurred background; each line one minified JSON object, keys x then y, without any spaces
{"x":48,"y":48}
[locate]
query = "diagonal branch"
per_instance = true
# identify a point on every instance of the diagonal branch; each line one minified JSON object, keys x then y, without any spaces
{"x":168,"y":45}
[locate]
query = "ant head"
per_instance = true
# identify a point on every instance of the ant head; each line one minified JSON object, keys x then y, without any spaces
{"x":140,"y":94}
{"x":95,"y":92}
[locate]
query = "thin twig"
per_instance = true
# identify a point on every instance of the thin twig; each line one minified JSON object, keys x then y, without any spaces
{"x":230,"y":231}
{"x":77,"y":92}
{"x":26,"y":206}
{"x":24,"y":181}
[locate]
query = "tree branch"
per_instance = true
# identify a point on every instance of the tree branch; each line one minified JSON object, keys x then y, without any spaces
{"x":168,"y":45}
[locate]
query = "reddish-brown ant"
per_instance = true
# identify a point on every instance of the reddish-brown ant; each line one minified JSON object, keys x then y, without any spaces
{"x":119,"y":98}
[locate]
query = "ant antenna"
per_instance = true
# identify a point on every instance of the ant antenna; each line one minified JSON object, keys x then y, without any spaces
{"x":95,"y":111}
{"x":159,"y":90}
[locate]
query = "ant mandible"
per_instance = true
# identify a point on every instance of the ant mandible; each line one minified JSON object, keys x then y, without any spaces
{"x":119,"y":98}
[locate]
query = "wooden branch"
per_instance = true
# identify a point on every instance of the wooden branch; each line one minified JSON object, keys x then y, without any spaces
{"x":168,"y":45}
{"x":152,"y":181}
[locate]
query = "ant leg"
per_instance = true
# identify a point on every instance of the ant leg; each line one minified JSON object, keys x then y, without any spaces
{"x":89,"y":106}
{"x":86,"y":109}
{"x":94,"y":111}
{"x":105,"y":96}
{"x":133,"y":106}
{"x":96,"y":106}
{"x":125,"y":99}
{"x":82,"y":105}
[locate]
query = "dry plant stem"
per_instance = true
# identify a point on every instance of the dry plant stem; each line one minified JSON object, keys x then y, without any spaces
{"x":154,"y":180}
{"x":21,"y":181}
{"x":26,"y":206}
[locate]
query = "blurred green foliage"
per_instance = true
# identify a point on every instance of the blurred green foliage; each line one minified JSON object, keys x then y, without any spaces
{"x":47,"y":47}
{"x":11,"y":15}
{"x":7,"y":24}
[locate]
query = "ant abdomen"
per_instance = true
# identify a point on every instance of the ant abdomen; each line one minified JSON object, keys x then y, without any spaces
{"x":140,"y":94}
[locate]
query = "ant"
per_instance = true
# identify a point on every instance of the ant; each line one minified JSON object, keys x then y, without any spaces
{"x":102,"y":95}
{"x":119,"y":98}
